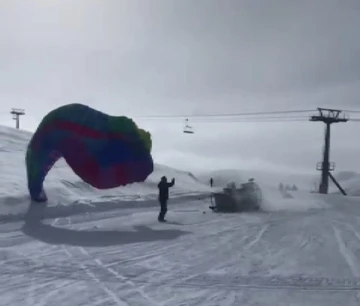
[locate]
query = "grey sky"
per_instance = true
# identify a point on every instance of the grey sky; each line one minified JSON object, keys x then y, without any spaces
{"x":150,"y":57}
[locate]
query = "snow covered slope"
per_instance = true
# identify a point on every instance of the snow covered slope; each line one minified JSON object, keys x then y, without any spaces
{"x":125,"y":257}
{"x":64,"y":188}
{"x":302,"y":250}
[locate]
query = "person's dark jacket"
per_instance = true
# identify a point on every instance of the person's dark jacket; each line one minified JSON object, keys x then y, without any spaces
{"x":164,"y":188}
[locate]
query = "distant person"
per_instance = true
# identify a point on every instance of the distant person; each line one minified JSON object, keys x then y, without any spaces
{"x":164,"y":196}
{"x":211,"y":182}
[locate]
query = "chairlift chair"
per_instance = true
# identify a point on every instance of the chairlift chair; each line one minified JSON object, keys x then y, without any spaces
{"x":188,"y":129}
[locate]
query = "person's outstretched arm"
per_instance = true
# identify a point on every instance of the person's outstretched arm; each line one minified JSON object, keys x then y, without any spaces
{"x":172,"y":183}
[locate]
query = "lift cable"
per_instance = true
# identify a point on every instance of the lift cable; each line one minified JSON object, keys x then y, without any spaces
{"x":224,"y":114}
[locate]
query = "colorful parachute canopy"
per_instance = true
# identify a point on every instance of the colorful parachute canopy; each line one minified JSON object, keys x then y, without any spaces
{"x":104,"y":151}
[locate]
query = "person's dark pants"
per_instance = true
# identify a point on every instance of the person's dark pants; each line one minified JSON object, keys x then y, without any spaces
{"x":163,"y":209}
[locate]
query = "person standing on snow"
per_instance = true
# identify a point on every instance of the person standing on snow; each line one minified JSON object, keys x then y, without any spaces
{"x":164,"y":196}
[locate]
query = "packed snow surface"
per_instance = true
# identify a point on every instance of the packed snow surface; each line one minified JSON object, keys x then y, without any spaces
{"x":88,"y":247}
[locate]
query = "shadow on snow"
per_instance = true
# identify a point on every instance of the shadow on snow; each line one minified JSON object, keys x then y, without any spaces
{"x":34,"y":228}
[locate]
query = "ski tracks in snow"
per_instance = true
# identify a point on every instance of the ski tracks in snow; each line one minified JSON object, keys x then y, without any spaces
{"x":54,"y":289}
{"x":347,"y":253}
{"x":176,"y":264}
{"x":141,"y":297}
{"x":134,"y":290}
{"x":210,"y":262}
{"x":258,"y":237}
{"x":29,"y":262}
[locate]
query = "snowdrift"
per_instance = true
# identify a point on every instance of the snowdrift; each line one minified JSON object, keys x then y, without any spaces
{"x":68,"y":193}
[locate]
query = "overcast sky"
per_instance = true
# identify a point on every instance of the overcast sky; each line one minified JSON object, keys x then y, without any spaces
{"x":153,"y":57}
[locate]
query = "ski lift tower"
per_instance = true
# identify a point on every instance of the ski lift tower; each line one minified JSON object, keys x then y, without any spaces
{"x":327,"y":116}
{"x":16,"y":112}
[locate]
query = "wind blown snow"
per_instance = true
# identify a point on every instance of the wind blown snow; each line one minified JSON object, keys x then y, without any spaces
{"x":106,"y":248}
